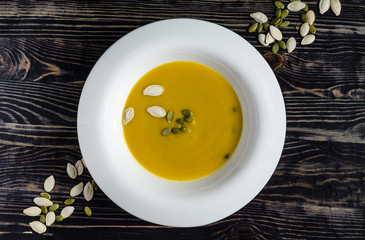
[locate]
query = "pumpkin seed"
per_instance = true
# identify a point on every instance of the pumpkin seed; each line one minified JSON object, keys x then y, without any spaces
{"x":71,"y":171}
{"x":169,"y":116}
{"x":153,"y":90}
{"x":291,"y":44}
{"x":88,"y":191}
{"x":94,"y":185}
{"x":324,"y":5}
{"x":304,"y":17}
{"x":44,"y":209}
{"x":312,"y":29}
{"x":278,"y":12}
{"x":128,"y":115}
{"x":260,"y":27}
{"x":41,"y":201}
{"x":49,"y":183}
{"x":284,"y":24}
{"x":76,"y":190}
{"x":38,"y":227}
{"x":336,"y":7}
{"x":186,"y":113}
{"x":42,"y":218}
{"x":276,"y":21}
{"x":311,"y":17}
{"x":308,"y":39}
{"x":279,"y":4}
{"x":45,"y":195}
{"x":54,"y":207}
{"x":295,"y":6}
{"x":50,"y":218}
{"x":252,"y":27}
{"x":269,"y":39}
{"x":304,"y":29}
{"x":183,"y":129}
{"x":180,"y":121}
{"x":59,"y":218}
{"x":176,"y":130}
{"x":165,"y":131}
{"x":259,"y":17}
{"x":67,"y":211}
{"x":282,"y":44}
{"x":305,"y":9}
{"x":69,"y":201}
{"x":156,"y":111}
{"x":188,"y":119}
{"x":275,"y":48}
{"x":261,"y":38}
{"x":32,"y":211}
{"x":87,"y":210}
{"x":297,"y":27}
{"x":266,"y":26}
{"x":276,"y":33}
{"x":83,"y":162}
{"x":79,"y":167}
{"x":284,"y":13}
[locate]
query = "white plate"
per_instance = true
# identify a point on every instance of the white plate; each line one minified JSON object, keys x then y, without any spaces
{"x":121,"y":177}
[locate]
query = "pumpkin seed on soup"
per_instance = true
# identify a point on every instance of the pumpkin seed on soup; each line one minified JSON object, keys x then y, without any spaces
{"x":176,"y":130}
{"x":165,"y":131}
{"x":186,"y":113}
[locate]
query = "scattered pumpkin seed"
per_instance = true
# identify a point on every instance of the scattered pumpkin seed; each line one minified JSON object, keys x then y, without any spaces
{"x":304,"y":29}
{"x":83,"y":162}
{"x":71,"y":171}
{"x":69,"y":201}
{"x":284,"y":13}
{"x":67,"y":211}
{"x":291,"y":44}
{"x":279,"y":4}
{"x":94,"y":185}
{"x":41,"y":201}
{"x":324,"y":5}
{"x":297,"y":27}
{"x":42,"y":218}
{"x":50,"y":218}
{"x":59,"y":218}
{"x":128,"y":115}
{"x":275,"y":48}
{"x":53,"y":207}
{"x":336,"y":7}
{"x":284,"y":24}
{"x":304,"y":17}
{"x":276,"y":21}
{"x":188,"y":119}
{"x":79,"y":167}
{"x":278,"y":12}
{"x":87,"y":210}
{"x":276,"y":33}
{"x":295,"y":6}
{"x":45,"y":195}
{"x":266,"y":26}
{"x":153,"y":90}
{"x":282,"y":44}
{"x":312,"y":29}
{"x":165,"y":131}
{"x":44,"y":209}
{"x":77,"y":189}
{"x":156,"y":111}
{"x":88,"y":191}
{"x":252,"y":27}
{"x":169,"y":116}
{"x":186,"y":113}
{"x":259,"y":17}
{"x":180,"y":121}
{"x":311,"y":17}
{"x":183,"y":129}
{"x":38,"y":227}
{"x":305,"y":9}
{"x":261,"y":37}
{"x":308,"y":39}
{"x":32,"y":211}
{"x":269,"y":39}
{"x":176,"y":130}
{"x":49,"y":183}
{"x":260,"y":27}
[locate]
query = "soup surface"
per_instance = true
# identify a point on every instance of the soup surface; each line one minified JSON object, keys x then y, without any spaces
{"x":206,"y":140}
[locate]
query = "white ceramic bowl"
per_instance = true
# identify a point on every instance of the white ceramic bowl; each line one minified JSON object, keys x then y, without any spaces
{"x":124,"y":180}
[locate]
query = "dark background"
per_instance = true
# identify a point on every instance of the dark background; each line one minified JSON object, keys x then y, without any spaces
{"x":47,"y":49}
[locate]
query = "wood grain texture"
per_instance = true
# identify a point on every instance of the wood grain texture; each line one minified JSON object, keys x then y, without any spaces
{"x":47,"y":49}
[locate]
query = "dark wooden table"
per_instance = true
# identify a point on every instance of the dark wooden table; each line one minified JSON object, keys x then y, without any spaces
{"x":47,"y":49}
